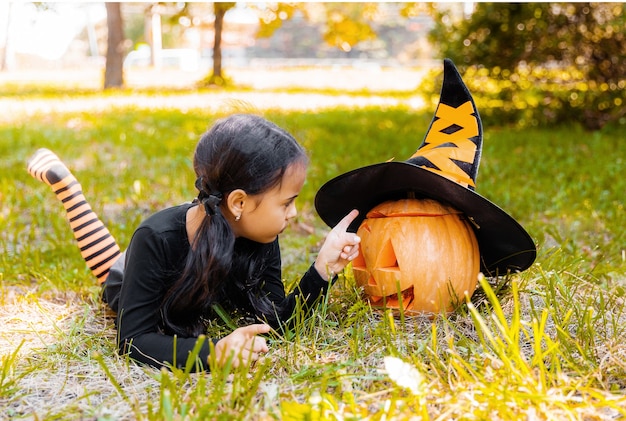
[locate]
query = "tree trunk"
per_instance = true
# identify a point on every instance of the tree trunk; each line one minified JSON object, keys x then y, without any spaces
{"x":153,"y":33}
{"x":220,"y":11}
{"x":114,"y":67}
{"x":217,"y":78}
{"x":7,"y":54}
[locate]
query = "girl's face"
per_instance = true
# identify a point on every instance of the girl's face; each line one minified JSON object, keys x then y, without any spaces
{"x":266,"y":215}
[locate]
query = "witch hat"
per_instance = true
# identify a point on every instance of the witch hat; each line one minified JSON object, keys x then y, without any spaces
{"x":443,"y":168}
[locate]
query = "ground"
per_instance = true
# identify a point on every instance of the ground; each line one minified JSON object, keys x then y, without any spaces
{"x":260,"y":93}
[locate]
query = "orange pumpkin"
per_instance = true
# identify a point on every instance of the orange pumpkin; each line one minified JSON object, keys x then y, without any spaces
{"x":421,"y":248}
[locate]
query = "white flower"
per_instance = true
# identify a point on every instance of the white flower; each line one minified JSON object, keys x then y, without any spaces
{"x":403,"y":374}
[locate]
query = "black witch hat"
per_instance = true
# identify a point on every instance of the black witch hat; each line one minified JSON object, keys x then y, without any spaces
{"x":443,"y":168}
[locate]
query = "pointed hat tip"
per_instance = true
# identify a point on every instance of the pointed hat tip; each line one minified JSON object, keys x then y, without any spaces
{"x":452,"y":146}
{"x":454,"y":92}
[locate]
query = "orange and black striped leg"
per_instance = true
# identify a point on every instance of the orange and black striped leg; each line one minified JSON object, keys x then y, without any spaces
{"x":97,"y":245}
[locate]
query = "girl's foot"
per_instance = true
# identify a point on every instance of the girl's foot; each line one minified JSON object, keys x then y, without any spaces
{"x":45,"y":166}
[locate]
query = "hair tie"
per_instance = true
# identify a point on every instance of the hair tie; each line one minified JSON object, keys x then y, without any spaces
{"x":211,"y":200}
{"x":212,"y":203}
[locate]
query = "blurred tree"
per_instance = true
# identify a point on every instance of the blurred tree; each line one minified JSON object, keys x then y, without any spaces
{"x":273,"y":15}
{"x":345,"y":24}
{"x":114,"y":66}
{"x":216,"y":77}
{"x":334,"y":30}
{"x":504,"y":35}
{"x":220,"y":9}
{"x":6,"y":51}
{"x":588,"y":36}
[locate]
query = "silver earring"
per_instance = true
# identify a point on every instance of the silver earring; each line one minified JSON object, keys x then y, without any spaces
{"x":237,"y":218}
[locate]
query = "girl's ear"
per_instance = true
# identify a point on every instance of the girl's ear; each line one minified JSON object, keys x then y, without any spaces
{"x":236,"y":201}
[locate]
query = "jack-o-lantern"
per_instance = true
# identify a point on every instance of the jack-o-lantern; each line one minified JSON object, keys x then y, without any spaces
{"x":428,"y":252}
{"x":418,"y":255}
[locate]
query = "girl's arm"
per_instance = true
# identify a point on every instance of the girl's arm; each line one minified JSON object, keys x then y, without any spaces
{"x":339,"y":248}
{"x":147,"y":275}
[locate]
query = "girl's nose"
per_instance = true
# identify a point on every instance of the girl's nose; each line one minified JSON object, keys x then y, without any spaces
{"x":293,"y":211}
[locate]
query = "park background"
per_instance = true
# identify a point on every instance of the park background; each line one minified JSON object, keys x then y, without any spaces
{"x":357,"y":84}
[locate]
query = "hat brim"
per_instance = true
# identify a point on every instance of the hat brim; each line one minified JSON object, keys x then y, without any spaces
{"x":503,"y":243}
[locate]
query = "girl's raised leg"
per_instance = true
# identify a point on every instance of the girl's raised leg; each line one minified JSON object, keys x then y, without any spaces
{"x":96,"y":244}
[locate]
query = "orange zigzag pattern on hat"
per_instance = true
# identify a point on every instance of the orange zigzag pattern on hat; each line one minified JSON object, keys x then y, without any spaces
{"x":464,"y":149}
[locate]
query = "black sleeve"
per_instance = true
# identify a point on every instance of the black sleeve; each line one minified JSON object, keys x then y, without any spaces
{"x":145,"y":282}
{"x":309,"y":289}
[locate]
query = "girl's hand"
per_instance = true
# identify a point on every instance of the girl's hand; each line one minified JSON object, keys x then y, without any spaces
{"x":339,"y":248}
{"x":242,"y":344}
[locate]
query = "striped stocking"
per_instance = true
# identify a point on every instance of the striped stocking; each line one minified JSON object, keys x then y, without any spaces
{"x":97,"y":245}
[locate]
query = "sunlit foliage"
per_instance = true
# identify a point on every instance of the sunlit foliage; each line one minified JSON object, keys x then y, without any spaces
{"x":585,"y":41}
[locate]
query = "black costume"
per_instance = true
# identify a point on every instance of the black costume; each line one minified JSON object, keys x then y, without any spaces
{"x":154,"y":260}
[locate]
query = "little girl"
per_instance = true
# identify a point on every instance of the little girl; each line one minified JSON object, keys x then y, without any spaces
{"x":221,"y":249}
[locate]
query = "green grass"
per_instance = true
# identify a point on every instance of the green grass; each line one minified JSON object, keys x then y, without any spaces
{"x":545,"y":344}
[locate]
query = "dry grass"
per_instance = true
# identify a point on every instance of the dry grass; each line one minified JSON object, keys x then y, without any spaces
{"x":56,"y":337}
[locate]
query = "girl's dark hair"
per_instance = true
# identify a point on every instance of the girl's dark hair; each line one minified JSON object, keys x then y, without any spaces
{"x":245,"y":152}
